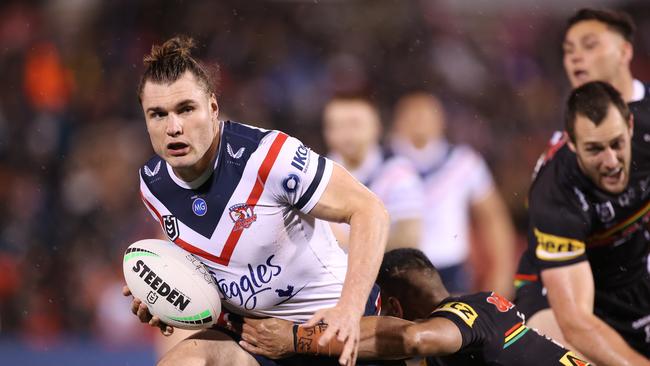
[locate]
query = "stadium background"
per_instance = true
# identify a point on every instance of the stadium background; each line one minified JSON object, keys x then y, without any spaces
{"x":72,"y":134}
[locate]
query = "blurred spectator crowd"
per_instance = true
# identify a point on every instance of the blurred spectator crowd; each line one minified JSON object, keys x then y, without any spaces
{"x":72,"y":134}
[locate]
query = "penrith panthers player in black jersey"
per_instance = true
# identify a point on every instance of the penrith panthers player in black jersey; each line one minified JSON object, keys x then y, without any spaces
{"x":588,"y":235}
{"x":597,"y":46}
{"x":478,"y":329}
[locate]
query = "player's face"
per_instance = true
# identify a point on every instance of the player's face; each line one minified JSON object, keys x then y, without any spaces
{"x":419,"y":121}
{"x":350,"y":128}
{"x":182,"y":124}
{"x":604,"y":152}
{"x":594,"y":52}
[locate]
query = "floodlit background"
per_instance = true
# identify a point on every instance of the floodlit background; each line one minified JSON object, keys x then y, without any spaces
{"x":72,"y":135}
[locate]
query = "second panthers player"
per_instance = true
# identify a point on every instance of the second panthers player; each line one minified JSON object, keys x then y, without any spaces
{"x":476,"y":329}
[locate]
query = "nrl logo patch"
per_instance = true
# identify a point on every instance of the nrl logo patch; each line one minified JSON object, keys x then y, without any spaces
{"x":605,"y":211}
{"x":170,"y":225}
{"x":152,"y":297}
{"x":242,"y":215}
{"x":151,"y":173}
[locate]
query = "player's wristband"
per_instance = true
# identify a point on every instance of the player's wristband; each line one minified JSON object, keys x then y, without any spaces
{"x":295,"y":338}
{"x":305,"y":341}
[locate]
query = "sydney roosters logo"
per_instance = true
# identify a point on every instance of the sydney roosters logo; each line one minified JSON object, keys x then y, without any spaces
{"x":242,"y":215}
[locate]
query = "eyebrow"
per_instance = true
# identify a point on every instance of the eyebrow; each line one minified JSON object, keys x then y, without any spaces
{"x":600,"y":143}
{"x":178,"y":105}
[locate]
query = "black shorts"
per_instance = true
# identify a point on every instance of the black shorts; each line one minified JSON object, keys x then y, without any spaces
{"x":626,"y":309}
{"x":530,"y":298}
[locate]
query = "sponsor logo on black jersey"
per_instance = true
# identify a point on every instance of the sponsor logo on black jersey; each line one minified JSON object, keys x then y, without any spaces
{"x":501,"y":303}
{"x":557,"y":248}
{"x":570,"y":359}
{"x":461,"y":309}
{"x":170,"y":225}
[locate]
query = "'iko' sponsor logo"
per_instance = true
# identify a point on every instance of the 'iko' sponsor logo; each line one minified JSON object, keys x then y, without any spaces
{"x":300,"y":158}
{"x":156,"y":283}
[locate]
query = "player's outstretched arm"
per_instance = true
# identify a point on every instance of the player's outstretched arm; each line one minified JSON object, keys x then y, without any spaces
{"x":347,"y":200}
{"x":571,"y":295}
{"x":497,"y":234}
{"x":381,"y":338}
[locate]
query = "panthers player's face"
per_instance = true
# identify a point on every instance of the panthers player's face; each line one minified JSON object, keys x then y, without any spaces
{"x":604,"y":152}
{"x":182,"y":124}
{"x":592,"y":52}
{"x":350,"y":128}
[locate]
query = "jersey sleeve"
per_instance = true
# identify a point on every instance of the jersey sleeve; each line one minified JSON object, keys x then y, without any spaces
{"x":299,"y":176}
{"x":558,"y":228}
{"x":465,"y":317}
{"x":479,"y":180}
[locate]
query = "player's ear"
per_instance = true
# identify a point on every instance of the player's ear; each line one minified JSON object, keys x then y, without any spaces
{"x":631,"y":125}
{"x":627,"y":52}
{"x":570,"y":143}
{"x":394,"y":308}
{"x":214,"y":107}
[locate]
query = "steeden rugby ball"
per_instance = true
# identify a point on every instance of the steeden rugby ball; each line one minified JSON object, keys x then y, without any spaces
{"x":173,"y":283}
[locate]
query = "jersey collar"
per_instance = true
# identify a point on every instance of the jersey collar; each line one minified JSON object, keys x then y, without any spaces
{"x":423,"y":159}
{"x":638,"y":91}
{"x":367,"y":168}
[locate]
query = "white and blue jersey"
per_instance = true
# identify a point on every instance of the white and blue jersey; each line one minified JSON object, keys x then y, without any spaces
{"x":247,"y":220}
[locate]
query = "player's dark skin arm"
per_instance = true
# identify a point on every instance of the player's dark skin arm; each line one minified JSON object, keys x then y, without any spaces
{"x":381,"y":338}
{"x":571,"y":296}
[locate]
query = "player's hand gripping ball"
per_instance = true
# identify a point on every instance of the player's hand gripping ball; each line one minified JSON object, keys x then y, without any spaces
{"x":175,"y":285}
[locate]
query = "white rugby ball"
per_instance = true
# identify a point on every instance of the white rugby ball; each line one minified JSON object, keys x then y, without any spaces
{"x":173,"y":284}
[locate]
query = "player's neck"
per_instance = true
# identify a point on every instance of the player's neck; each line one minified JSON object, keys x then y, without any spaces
{"x":439,"y":296}
{"x":625,"y":85}
{"x":193,"y":172}
{"x":354,"y":161}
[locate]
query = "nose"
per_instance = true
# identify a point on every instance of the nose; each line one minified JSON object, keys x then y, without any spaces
{"x":174,"y":125}
{"x":610,"y":158}
{"x":576,"y":56}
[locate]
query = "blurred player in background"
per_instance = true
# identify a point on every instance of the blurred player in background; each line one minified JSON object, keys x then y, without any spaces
{"x":239,"y":198}
{"x":597,"y":46}
{"x":352,"y":131}
{"x":458,"y":188}
{"x":478,"y":329}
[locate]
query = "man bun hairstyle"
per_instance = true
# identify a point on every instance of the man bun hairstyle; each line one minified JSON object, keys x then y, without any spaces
{"x":168,"y":62}
{"x":592,"y":100}
{"x":618,"y":21}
